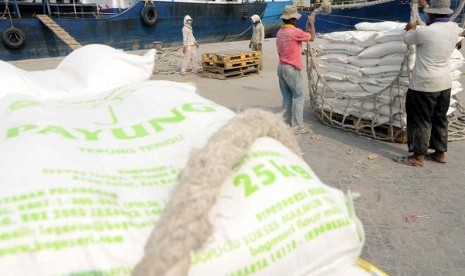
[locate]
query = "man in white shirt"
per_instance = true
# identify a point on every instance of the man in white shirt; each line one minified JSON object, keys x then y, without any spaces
{"x":428,"y":96}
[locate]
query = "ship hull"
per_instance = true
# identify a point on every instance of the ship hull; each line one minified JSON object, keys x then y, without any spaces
{"x":127,"y":31}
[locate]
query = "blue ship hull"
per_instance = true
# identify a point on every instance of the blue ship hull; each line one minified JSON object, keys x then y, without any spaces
{"x":271,"y":19}
{"x":213,"y":22}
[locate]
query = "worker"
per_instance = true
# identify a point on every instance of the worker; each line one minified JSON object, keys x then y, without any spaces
{"x":289,"y":43}
{"x":258,"y":36}
{"x":428,"y":97}
{"x":190,"y":46}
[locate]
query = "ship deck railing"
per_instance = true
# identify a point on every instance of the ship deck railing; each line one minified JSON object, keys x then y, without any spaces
{"x":23,"y":9}
{"x":301,"y":6}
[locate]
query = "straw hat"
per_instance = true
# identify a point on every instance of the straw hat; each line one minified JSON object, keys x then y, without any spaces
{"x":439,"y":7}
{"x":290,"y":12}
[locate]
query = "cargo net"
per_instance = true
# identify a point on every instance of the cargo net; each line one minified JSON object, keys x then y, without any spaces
{"x":358,"y":81}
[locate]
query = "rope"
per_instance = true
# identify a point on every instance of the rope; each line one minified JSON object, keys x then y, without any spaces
{"x":457,"y":11}
{"x":354,"y":17}
{"x":7,"y":11}
{"x":414,"y":14}
{"x":360,"y":5}
{"x":244,"y":32}
{"x":184,"y":225}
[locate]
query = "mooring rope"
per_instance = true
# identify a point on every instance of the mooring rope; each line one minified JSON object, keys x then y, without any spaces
{"x":457,"y":11}
{"x":184,"y":226}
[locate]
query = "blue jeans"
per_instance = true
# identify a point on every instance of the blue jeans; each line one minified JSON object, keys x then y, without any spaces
{"x":290,"y":84}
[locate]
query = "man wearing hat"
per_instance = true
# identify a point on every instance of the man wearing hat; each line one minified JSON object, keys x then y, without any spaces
{"x":258,"y":35}
{"x":289,"y":43}
{"x":428,"y":97}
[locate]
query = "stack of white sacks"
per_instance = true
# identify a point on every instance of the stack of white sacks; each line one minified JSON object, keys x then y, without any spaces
{"x":361,"y":64}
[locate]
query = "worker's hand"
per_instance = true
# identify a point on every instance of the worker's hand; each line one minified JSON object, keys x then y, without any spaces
{"x":458,"y":45}
{"x":197,"y":45}
{"x":410,"y":26}
{"x":184,"y":49}
{"x":422,"y":3}
{"x":311,"y":19}
{"x":250,"y":45}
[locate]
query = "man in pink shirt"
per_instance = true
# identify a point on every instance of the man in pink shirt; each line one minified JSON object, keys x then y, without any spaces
{"x":289,"y":43}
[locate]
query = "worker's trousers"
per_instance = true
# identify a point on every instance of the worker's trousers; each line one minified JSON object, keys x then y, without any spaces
{"x":427,"y":120}
{"x":290,"y":83}
{"x":190,"y":58}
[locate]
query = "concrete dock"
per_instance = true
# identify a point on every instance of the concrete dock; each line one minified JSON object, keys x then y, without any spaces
{"x":433,"y":244}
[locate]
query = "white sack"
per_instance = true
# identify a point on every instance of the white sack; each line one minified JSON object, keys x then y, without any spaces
{"x":96,"y":68}
{"x":259,"y":216}
{"x":380,"y":26}
{"x":363,"y":62}
{"x":347,"y":69}
{"x":335,"y":76}
{"x":382,"y":49}
{"x":337,"y":58}
{"x":393,"y":59}
{"x":382,"y":71}
{"x":388,"y":80}
{"x":16,"y":80}
{"x":344,"y":86}
{"x":336,"y":48}
{"x":392,"y":35}
{"x":364,"y":38}
{"x":362,"y":79}
{"x":373,"y":88}
{"x":455,"y":64}
{"x":456,"y":54}
{"x":456,"y":74}
{"x":338,"y":37}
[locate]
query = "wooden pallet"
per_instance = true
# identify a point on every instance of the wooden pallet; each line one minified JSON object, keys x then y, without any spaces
{"x":232,"y":63}
{"x":382,"y":132}
{"x":227,"y":73}
{"x":230,"y":56}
